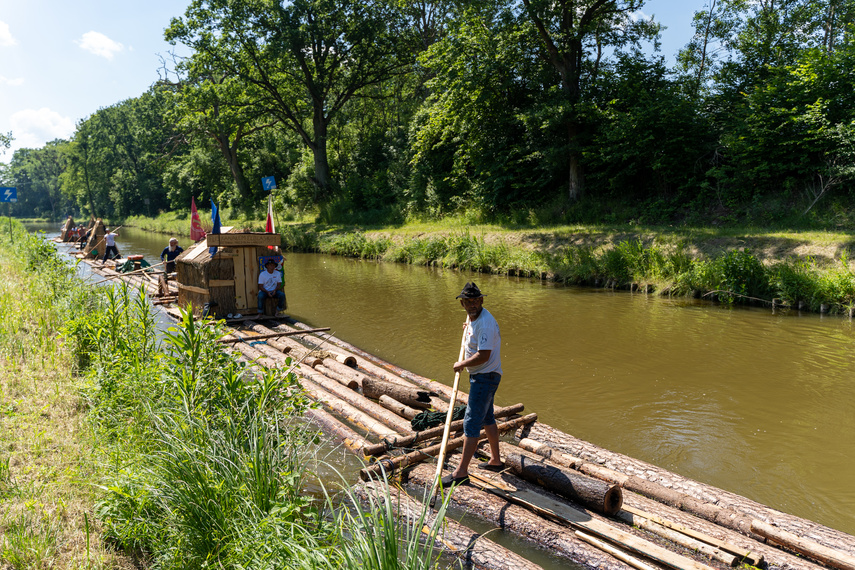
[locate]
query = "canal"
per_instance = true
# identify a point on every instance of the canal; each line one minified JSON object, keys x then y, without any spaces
{"x":755,"y":402}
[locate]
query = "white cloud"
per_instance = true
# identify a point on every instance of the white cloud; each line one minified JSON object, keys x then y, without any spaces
{"x":6,"y":38}
{"x":17,"y":82}
{"x":99,"y":44}
{"x":32,"y":128}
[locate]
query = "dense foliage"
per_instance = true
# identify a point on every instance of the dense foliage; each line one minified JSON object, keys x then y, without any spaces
{"x":369,"y":111}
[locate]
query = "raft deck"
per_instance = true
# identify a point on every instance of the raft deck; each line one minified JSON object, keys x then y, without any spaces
{"x":580,"y":502}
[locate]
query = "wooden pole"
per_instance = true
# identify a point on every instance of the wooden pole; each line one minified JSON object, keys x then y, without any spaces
{"x":395,"y":463}
{"x":448,"y":418}
{"x":407,"y":441}
{"x":129,"y":273}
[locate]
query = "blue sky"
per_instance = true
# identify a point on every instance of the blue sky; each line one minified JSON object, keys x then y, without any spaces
{"x":62,"y":60}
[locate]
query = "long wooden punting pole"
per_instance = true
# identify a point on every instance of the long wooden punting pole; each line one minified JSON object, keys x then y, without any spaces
{"x":453,"y":538}
{"x":401,"y":461}
{"x":448,"y":419}
{"x":409,"y":440}
{"x":129,"y":273}
{"x":271,"y":335}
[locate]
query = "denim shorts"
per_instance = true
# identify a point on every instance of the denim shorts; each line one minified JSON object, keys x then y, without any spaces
{"x":479,"y":412}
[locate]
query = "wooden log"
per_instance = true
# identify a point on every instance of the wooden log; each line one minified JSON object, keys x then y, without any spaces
{"x":410,"y":440}
{"x":809,"y":548}
{"x":337,"y":430}
{"x":352,"y":415}
{"x":373,"y":388}
{"x":452,"y":538}
{"x":345,"y":394}
{"x":678,"y":538}
{"x":397,"y":407}
{"x":393,"y":464}
{"x":726,"y":517}
{"x":343,"y":370}
{"x":343,"y":380}
{"x":595,"y":494}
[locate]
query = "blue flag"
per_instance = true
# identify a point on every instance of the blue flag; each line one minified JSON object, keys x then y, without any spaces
{"x":215,"y":218}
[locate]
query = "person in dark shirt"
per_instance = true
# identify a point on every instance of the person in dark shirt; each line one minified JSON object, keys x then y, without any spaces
{"x":169,"y":254}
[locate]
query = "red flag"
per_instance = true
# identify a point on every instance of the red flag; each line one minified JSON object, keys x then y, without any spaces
{"x":269,"y":227}
{"x":196,"y":231}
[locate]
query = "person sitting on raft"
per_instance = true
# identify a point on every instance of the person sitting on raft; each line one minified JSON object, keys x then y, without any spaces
{"x":169,"y":254}
{"x":268,"y":286}
{"x":110,"y":239}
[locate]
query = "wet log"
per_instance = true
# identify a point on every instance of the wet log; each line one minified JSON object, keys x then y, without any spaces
{"x":410,"y":440}
{"x":337,"y":430}
{"x":809,"y":548}
{"x":452,"y":538}
{"x":347,"y":395}
{"x":395,"y":406}
{"x":351,"y":414}
{"x":393,"y":464}
{"x":373,"y":389}
{"x":386,"y":370}
{"x":602,"y":497}
{"x":519,"y":521}
{"x":678,"y":538}
{"x":254,"y":355}
{"x":726,"y":517}
{"x":271,"y":335}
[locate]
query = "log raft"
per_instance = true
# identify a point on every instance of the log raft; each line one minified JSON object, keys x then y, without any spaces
{"x":691,"y":525}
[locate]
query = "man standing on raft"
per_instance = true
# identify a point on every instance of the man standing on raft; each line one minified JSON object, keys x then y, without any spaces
{"x":482,"y":359}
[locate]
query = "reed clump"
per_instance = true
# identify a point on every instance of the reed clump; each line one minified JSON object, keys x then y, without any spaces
{"x":733,"y":277}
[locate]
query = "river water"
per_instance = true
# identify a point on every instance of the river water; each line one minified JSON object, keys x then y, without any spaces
{"x":755,"y":402}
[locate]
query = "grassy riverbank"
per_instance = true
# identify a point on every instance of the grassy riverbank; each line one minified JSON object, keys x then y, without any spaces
{"x":807,"y":269}
{"x":125,"y":448}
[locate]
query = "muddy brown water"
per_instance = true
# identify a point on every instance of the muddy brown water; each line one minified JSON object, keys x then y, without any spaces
{"x":759,"y":403}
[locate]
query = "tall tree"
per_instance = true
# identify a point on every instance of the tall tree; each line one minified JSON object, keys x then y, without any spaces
{"x":306,"y":58}
{"x":573,"y":35}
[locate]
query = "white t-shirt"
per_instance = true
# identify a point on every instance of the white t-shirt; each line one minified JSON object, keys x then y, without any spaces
{"x":269,"y":281}
{"x":483,"y":334}
{"x":110,"y":238}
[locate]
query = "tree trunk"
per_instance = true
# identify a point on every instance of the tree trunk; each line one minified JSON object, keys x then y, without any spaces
{"x":410,"y":396}
{"x":322,"y":167}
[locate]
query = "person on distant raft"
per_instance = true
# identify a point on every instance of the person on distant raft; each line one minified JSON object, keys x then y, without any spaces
{"x":110,"y":240}
{"x":482,"y":359}
{"x":268,"y":286}
{"x":169,"y":254}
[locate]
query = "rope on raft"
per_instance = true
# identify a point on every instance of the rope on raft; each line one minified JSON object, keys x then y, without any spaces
{"x":426,"y":420}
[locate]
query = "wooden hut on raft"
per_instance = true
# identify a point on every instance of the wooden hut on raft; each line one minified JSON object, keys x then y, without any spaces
{"x":96,"y":245}
{"x":227,"y":281}
{"x":67,"y":233}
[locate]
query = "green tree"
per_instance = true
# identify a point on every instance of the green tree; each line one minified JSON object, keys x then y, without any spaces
{"x":36,"y":173}
{"x":569,"y":32}
{"x":306,"y":59}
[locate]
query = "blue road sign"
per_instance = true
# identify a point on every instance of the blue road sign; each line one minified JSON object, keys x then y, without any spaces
{"x":268,"y":182}
{"x":8,"y":194}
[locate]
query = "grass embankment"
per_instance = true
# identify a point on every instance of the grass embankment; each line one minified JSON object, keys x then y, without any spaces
{"x":809,"y":270}
{"x":169,"y":451}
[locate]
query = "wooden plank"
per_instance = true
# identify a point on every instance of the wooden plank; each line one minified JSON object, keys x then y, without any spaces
{"x":195,"y":251}
{"x":748,"y":556}
{"x":244,"y":240}
{"x":194,"y":289}
{"x":616,"y":552}
{"x":580,"y":520}
{"x":221,"y":283}
{"x":240,"y":281}
{"x":251,"y":275}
